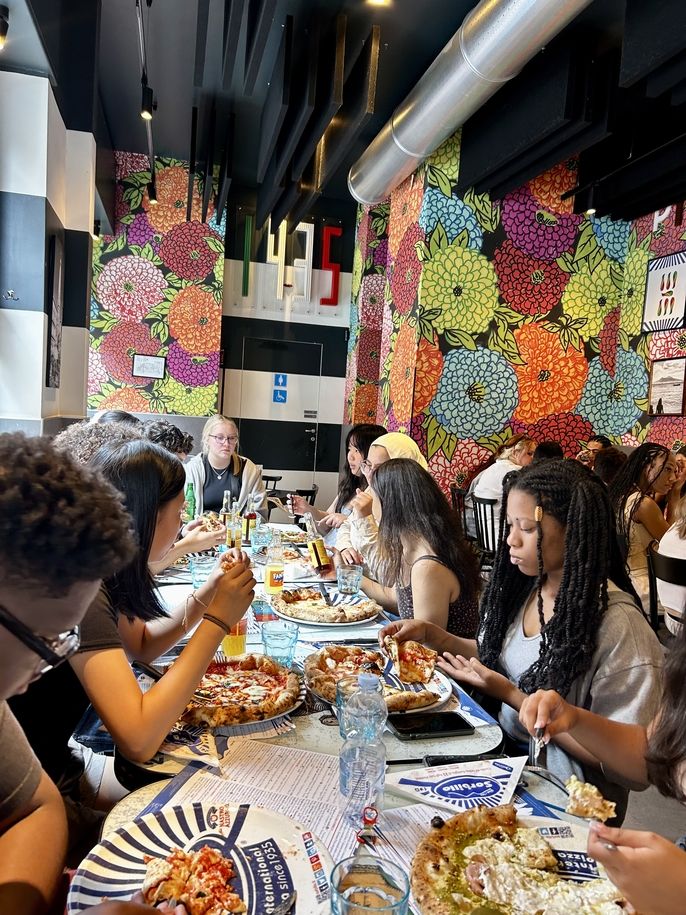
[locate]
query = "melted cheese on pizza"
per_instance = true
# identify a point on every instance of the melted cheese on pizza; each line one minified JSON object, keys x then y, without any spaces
{"x":586,"y":801}
{"x":197,"y":880}
{"x":525,"y":847}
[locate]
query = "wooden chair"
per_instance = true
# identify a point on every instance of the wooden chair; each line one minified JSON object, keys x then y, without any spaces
{"x":662,"y":568}
{"x":486,"y":533}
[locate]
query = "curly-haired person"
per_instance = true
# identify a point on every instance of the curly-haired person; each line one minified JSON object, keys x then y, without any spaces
{"x":559,"y":612}
{"x":62,"y":529}
{"x":169,"y":436}
{"x":82,"y":440}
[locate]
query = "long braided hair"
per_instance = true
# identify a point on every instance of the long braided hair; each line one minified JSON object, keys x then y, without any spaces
{"x":576,"y":498}
{"x":636,"y":476}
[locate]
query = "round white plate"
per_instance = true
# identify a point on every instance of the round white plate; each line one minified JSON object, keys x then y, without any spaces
{"x":294,"y":619}
{"x":255,"y":837}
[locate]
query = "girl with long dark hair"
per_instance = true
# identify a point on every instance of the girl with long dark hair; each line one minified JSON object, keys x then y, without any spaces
{"x":357,"y":443}
{"x":648,"y":869}
{"x":558,"y":612}
{"x":422,"y":550}
{"x":127,"y":621}
{"x":650,"y":471}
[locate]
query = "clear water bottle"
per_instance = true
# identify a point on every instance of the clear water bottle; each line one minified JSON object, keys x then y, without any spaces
{"x":363,"y":754}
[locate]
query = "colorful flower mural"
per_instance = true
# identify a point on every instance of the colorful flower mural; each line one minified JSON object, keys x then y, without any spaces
{"x":157,"y":290}
{"x":527,"y":318}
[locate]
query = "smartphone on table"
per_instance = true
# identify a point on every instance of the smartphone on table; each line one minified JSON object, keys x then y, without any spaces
{"x":426,"y":725}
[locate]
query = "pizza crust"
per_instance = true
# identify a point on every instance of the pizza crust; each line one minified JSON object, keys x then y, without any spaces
{"x":241,"y":690}
{"x":307,"y":604}
{"x":413,"y":662}
{"x":585,"y":800}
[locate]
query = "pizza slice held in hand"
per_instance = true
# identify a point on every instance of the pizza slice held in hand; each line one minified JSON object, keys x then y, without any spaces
{"x":412,"y":662}
{"x":586,"y":801}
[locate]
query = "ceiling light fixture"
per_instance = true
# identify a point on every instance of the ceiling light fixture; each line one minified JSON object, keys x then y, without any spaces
{"x":146,"y":102}
{"x":152,"y":192}
{"x":4,"y":24}
{"x":590,"y":211}
{"x":95,"y":234}
{"x":379,"y":2}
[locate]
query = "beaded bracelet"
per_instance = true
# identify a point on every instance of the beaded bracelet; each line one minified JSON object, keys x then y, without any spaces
{"x":217,"y":622}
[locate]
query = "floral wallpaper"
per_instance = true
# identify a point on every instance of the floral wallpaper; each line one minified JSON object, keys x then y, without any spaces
{"x":157,"y":290}
{"x":500,"y":317}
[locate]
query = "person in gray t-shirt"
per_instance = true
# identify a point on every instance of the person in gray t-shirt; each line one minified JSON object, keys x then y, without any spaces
{"x":558,"y":613}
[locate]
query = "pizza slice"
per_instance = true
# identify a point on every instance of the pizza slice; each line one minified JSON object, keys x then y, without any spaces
{"x":405,"y":700}
{"x":413,"y":662}
{"x":586,"y":801}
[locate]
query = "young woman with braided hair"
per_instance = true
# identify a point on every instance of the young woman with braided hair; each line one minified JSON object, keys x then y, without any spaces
{"x":650,"y":471}
{"x":558,"y":613}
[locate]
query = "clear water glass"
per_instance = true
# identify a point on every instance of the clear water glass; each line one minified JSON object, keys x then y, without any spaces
{"x":261,"y":537}
{"x":366,"y":884}
{"x":201,"y":569}
{"x":349,"y":579}
{"x":279,"y":639}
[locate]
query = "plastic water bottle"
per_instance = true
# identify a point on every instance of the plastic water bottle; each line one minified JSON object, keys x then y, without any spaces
{"x":363,"y":754}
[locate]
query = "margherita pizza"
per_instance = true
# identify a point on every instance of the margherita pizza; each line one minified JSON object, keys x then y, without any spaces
{"x":324,"y":668}
{"x":413,"y":662}
{"x":293,"y":537}
{"x":485,"y":858}
{"x":289,"y":554}
{"x":240,"y":690}
{"x":307,"y":604}
{"x":211,"y":521}
{"x":197,"y":880}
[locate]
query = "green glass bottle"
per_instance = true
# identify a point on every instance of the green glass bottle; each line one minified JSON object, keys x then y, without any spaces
{"x":189,"y":504}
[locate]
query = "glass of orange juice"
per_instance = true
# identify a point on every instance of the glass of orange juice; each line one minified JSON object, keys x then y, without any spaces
{"x":233,"y":644}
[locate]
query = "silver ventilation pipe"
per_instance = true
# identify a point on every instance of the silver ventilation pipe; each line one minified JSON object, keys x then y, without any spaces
{"x":496,"y":39}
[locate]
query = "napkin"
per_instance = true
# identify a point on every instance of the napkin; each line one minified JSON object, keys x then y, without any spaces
{"x":461,"y":786}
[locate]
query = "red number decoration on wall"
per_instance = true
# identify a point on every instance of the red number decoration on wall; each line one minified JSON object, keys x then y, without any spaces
{"x":328,"y":233}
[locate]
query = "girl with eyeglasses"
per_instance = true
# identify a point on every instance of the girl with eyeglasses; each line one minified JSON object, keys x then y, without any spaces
{"x":125,"y":622}
{"x":219,"y":468}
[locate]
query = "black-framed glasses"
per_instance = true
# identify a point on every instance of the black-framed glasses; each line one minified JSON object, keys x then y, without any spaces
{"x":223,"y":439}
{"x":52,"y":651}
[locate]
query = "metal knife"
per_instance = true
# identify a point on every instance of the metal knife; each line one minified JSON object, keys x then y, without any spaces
{"x":325,"y":595}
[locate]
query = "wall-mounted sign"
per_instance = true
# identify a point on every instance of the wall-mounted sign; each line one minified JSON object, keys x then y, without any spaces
{"x":279,"y":395}
{"x":280,"y":380}
{"x":302,"y":266}
{"x":148,"y":366}
{"x":664,"y":307}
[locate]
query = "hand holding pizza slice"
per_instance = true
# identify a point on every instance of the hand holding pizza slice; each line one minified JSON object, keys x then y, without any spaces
{"x":412,"y":662}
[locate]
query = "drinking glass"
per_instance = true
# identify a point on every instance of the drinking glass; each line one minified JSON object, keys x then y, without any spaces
{"x":367,"y":883}
{"x":279,"y":639}
{"x":233,"y":644}
{"x":201,"y":569}
{"x":349,"y":579}
{"x":261,"y":536}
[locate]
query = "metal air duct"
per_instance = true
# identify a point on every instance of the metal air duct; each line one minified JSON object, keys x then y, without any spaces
{"x":496,"y":39}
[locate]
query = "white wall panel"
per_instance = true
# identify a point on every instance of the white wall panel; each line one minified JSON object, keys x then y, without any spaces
{"x":23,"y":133}
{"x":22,"y":362}
{"x":74,"y":373}
{"x":80,"y":180}
{"x":249,"y":394}
{"x":57,"y":156}
{"x":261,"y":301}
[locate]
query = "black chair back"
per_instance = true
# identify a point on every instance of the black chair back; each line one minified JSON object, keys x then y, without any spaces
{"x":664,"y":568}
{"x":457,"y":500}
{"x":283,"y":494}
{"x":484,"y":522}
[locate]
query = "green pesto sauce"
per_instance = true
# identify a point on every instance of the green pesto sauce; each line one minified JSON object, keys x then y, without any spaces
{"x":456,"y":882}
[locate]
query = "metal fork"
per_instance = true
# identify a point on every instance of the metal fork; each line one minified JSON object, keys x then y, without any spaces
{"x":287,"y":906}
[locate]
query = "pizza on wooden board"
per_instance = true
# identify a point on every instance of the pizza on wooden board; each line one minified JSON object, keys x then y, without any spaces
{"x":485,"y":860}
{"x":324,"y":668}
{"x":197,"y":880}
{"x":307,"y":604}
{"x":413,"y":662}
{"x":240,"y":690}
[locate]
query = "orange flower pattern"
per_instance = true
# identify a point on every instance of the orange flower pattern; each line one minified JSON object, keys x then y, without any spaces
{"x":427,"y":374}
{"x":401,"y":378}
{"x":551,"y":379}
{"x":195,"y":320}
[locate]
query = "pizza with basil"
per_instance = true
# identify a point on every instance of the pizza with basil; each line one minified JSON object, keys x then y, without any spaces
{"x":308,"y":604}
{"x":485,"y":860}
{"x":413,"y":662}
{"x":324,"y":668}
{"x":200,"y":881}
{"x":239,"y":690}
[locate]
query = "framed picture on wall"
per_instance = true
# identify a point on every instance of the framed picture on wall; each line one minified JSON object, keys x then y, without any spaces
{"x":148,"y":366}
{"x":55,"y":294}
{"x":666,"y":396}
{"x":664,"y":306}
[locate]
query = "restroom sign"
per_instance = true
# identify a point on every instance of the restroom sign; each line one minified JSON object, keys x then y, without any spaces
{"x":280,"y":380}
{"x":279,"y":395}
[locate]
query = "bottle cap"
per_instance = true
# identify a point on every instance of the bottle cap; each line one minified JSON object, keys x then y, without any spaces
{"x":368,"y":682}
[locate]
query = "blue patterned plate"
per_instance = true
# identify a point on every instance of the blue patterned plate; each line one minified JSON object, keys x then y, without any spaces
{"x":272,"y":855}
